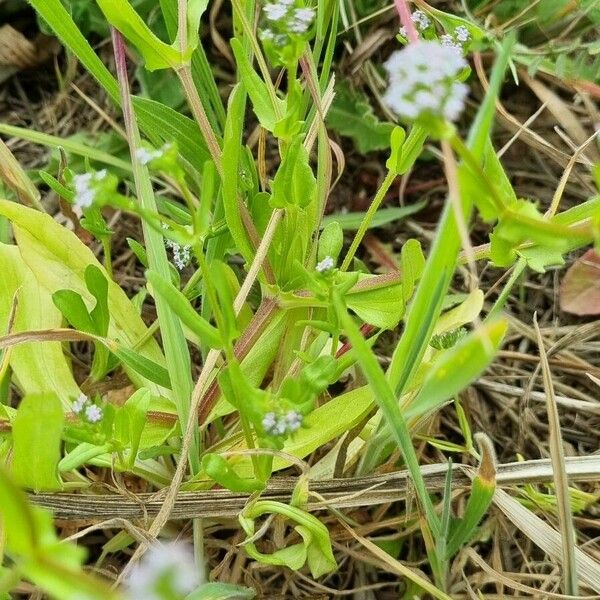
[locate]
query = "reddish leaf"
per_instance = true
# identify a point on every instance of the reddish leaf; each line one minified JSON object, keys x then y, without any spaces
{"x":580,"y":288}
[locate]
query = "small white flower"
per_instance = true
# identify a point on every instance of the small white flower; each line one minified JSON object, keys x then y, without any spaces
{"x":423,"y":81}
{"x":85,"y":187}
{"x":278,"y":425}
{"x":462,"y":34}
{"x":166,"y":570}
{"x":306,"y":15}
{"x":181,"y":255}
{"x":79,"y":404}
{"x":293,"y":420}
{"x":145,"y":156}
{"x":266,"y":34}
{"x":275,"y":12}
{"x":403,"y":32}
{"x":93,"y":413}
{"x":420,"y":19}
{"x":325,"y":265}
{"x":448,"y":42}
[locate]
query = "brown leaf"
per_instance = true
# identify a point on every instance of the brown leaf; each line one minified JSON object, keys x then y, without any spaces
{"x":17,"y":52}
{"x":15,"y":49}
{"x":580,"y":288}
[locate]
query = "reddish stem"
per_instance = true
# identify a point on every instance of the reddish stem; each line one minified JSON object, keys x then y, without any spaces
{"x":406,"y":20}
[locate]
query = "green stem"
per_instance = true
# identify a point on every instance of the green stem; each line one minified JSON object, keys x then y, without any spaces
{"x":368,"y":218}
{"x":388,"y":403}
{"x":193,"y":98}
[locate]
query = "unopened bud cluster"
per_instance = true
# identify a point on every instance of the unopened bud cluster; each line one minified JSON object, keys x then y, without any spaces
{"x":181,"y":254}
{"x":283,"y":18}
{"x":282,"y":424}
{"x":86,"y":186}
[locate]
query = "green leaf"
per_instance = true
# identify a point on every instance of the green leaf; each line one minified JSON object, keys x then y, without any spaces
{"x":97,"y":284}
{"x":232,"y":146}
{"x":267,"y":109}
{"x":351,"y":221}
{"x":37,"y":430}
{"x":482,"y":493}
{"x":331,"y":241}
{"x":55,"y":257}
{"x":82,"y":454}
{"x":72,"y":306}
{"x":456,"y":368}
{"x":206,"y":333}
{"x":394,"y":162}
{"x":18,"y":523}
{"x":135,"y":411}
{"x":412,"y":264}
{"x":352,"y":116}
{"x":156,"y":53}
{"x":195,"y":10}
{"x":294,"y":182}
{"x":222,"y":591}
{"x":144,"y":366}
{"x":219,"y":470}
{"x":36,"y":368}
{"x":315,"y":547}
{"x":377,"y":300}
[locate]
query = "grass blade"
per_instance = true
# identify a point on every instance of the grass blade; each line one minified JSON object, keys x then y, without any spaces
{"x":561,"y":483}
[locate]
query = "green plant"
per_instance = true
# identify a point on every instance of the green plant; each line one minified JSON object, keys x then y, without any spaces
{"x":275,"y":335}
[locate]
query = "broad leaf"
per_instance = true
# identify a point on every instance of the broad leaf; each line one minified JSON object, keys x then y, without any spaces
{"x":58,"y":259}
{"x":37,"y":430}
{"x":351,"y":115}
{"x":580,"y":287}
{"x":37,"y":368}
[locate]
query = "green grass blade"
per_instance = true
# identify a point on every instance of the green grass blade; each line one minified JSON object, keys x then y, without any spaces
{"x":440,"y":266}
{"x":175,"y":346}
{"x":388,"y":403}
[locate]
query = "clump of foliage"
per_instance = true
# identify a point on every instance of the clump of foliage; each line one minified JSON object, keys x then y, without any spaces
{"x":275,"y":335}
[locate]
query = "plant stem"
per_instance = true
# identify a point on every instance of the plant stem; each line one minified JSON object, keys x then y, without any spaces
{"x":388,"y":403}
{"x":366,"y":222}
{"x":406,"y":20}
{"x":199,"y":390}
{"x":185,"y":76}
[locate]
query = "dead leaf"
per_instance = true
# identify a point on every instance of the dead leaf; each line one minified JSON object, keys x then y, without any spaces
{"x":15,"y":49}
{"x":580,"y":288}
{"x":17,"y":52}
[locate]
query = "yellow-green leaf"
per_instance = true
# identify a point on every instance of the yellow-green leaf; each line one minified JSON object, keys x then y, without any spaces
{"x":37,"y":431}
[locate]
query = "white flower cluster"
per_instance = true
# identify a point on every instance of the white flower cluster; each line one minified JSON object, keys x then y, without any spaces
{"x":285,"y":18}
{"x":145,"y":156}
{"x":420,"y":19}
{"x":274,"y":424}
{"x":423,"y":82}
{"x":325,"y":265}
{"x":181,"y":254}
{"x":164,"y":569}
{"x":83,"y":405}
{"x":456,"y":41}
{"x":85,"y":187}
